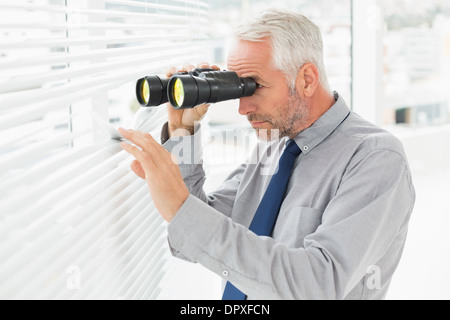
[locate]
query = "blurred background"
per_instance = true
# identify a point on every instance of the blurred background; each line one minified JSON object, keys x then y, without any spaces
{"x":64,"y":64}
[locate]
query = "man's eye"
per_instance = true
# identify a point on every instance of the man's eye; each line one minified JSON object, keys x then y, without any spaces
{"x":258,"y":86}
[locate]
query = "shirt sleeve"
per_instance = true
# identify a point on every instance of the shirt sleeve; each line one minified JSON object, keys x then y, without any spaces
{"x":188,"y":151}
{"x":360,"y":224}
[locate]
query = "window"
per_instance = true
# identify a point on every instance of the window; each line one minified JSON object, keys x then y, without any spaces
{"x":416,"y":63}
{"x":74,"y":221}
{"x":415,"y":39}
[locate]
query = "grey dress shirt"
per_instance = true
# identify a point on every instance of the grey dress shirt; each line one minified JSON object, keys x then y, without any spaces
{"x":341,"y":228}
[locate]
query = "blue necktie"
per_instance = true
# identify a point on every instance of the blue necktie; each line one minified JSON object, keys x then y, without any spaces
{"x":267,"y":213}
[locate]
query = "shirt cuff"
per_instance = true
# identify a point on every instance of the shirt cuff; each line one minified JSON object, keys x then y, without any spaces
{"x":165,"y":133}
{"x":188,"y":152}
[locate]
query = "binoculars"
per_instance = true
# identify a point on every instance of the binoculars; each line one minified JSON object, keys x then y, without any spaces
{"x":186,"y":90}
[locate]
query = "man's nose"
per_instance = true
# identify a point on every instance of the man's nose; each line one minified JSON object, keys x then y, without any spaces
{"x":246,"y":106}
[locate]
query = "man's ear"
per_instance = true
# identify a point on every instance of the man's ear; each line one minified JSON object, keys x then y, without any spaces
{"x":307,"y":80}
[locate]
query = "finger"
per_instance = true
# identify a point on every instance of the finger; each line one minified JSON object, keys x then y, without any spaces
{"x":188,"y":67}
{"x":147,"y":138}
{"x":145,"y":160}
{"x":134,"y":151}
{"x":203,"y":65}
{"x":148,"y":145}
{"x":131,"y":149}
{"x":140,"y":133}
{"x":142,"y":140}
{"x":171,"y":72}
{"x":200,"y":111}
{"x":137,"y":169}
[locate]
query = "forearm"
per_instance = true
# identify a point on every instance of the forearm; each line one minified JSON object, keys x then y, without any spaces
{"x":188,"y":151}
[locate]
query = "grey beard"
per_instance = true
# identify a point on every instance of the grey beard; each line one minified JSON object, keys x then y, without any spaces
{"x":287,"y":123}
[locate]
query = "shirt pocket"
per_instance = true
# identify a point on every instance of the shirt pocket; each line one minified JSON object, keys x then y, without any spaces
{"x":295,"y":223}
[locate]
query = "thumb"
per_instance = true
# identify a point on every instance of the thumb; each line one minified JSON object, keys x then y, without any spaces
{"x":200,"y":112}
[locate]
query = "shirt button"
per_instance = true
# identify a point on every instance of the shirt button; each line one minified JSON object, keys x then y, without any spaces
{"x":225,"y":273}
{"x":305,"y":148}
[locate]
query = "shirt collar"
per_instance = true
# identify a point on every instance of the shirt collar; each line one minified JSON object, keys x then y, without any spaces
{"x":311,"y":137}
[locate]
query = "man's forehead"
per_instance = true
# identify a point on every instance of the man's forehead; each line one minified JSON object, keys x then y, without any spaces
{"x":243,"y":51}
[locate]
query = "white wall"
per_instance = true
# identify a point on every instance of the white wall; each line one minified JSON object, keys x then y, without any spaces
{"x":423,"y":270}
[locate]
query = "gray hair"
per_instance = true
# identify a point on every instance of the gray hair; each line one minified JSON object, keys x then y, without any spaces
{"x":295,"y":41}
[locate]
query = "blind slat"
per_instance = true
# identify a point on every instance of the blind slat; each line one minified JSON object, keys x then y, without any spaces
{"x":102,"y":13}
{"x":21,"y":83}
{"x":56,"y":185}
{"x":133,"y":239}
{"x":89,"y":26}
{"x":95,"y":226}
{"x":44,"y":168}
{"x":113,"y":79}
{"x":65,"y":58}
{"x":72,"y":217}
{"x":82,"y":157}
{"x":75,"y":221}
{"x":185,"y":7}
{"x":149,"y":5}
{"x":20,"y":157}
{"x":142,"y":271}
{"x":21,"y":43}
{"x":18,"y":115}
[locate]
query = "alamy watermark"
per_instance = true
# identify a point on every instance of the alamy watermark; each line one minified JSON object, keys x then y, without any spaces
{"x":74,"y":277}
{"x":225,"y":147}
{"x":373,"y":281}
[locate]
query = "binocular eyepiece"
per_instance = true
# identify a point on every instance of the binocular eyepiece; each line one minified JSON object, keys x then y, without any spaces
{"x":189,"y":89}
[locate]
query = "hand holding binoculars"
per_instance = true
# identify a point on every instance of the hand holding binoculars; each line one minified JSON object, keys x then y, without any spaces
{"x":185,"y":90}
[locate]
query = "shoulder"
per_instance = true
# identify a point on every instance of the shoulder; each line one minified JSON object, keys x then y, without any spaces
{"x":377,"y":154}
{"x":370,"y":138}
{"x":363,"y":146}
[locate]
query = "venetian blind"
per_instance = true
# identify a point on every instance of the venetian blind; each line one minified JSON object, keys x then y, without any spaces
{"x":75,"y":222}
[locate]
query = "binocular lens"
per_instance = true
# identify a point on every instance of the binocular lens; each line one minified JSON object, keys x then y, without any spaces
{"x":178,"y":93}
{"x":152,"y":91}
{"x":145,"y":91}
{"x":189,"y":89}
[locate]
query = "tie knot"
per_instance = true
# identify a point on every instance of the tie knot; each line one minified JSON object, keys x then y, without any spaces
{"x":293,"y":148}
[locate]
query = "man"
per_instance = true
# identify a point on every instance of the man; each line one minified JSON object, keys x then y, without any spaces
{"x":342,"y":225}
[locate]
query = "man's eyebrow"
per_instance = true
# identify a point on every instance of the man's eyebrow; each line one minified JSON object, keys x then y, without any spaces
{"x":255,"y":77}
